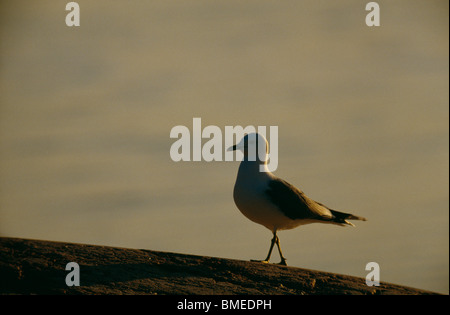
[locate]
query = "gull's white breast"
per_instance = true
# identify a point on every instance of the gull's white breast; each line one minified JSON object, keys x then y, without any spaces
{"x":251,"y":199}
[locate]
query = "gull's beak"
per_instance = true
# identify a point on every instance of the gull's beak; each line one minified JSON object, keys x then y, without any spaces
{"x":232,"y":148}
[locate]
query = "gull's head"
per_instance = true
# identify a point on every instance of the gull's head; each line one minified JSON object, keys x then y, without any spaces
{"x":252,"y":145}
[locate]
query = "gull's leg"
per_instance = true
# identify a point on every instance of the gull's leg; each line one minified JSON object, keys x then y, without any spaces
{"x":272,"y":242}
{"x":283,"y":260}
{"x":274,"y":239}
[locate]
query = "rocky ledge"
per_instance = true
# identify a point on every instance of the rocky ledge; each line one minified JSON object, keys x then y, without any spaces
{"x":39,"y":267}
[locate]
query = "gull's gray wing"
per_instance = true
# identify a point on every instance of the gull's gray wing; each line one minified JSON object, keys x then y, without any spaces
{"x":294,"y":203}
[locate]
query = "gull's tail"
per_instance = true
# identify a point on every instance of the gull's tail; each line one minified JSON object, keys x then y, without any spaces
{"x":342,"y":217}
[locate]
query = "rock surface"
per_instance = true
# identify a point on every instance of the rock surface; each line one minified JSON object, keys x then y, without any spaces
{"x":38,"y":267}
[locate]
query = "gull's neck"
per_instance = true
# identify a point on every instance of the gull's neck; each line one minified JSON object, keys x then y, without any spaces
{"x":252,"y":169}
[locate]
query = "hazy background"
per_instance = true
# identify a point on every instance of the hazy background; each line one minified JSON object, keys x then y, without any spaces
{"x":363,"y":119}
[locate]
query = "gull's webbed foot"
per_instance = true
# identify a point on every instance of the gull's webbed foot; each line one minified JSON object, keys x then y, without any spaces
{"x":261,"y":261}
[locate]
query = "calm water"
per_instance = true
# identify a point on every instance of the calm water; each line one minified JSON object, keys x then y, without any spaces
{"x":362,"y":114}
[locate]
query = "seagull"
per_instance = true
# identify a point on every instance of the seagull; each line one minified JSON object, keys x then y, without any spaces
{"x":272,"y":202}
